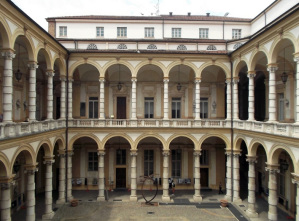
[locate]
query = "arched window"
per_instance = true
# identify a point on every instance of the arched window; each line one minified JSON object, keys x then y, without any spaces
{"x":211,"y":48}
{"x":237,"y":45}
{"x":182,"y":48}
{"x":122,"y":46}
{"x":92,"y":47}
{"x":152,"y":47}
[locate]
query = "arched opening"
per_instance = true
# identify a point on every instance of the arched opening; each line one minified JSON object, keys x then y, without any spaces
{"x":57,"y":90}
{"x":260,"y":96}
{"x":243,"y":171}
{"x":243,"y":93}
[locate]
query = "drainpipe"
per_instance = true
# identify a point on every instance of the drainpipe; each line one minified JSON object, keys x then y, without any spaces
{"x":66,"y":124}
{"x":232,"y":131}
{"x":163,"y":29}
{"x":223,"y":29}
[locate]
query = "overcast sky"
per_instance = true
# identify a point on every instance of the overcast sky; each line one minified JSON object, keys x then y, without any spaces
{"x":38,"y":10}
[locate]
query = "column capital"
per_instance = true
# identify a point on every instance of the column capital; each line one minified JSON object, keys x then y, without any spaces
{"x":31,"y":169}
{"x":6,"y":186}
{"x":134,"y":79}
{"x":296,"y":57}
{"x":228,"y":153}
{"x":133,"y":153}
{"x":166,"y":80}
{"x":8,"y":54}
{"x":251,"y":74}
{"x":101,"y":153}
{"x":228,"y":81}
{"x":50,"y":73}
{"x":70,"y":79}
{"x":197,"y":81}
{"x":48,"y":160}
{"x":102,"y":80}
{"x":295,"y":178}
{"x":251,"y":159}
{"x":272,"y":168}
{"x":236,"y":80}
{"x":165,"y":153}
{"x":32,"y":65}
{"x":61,"y":153}
{"x":63,"y":78}
{"x":70,"y":153}
{"x":197,"y":153}
{"x":272,"y":67}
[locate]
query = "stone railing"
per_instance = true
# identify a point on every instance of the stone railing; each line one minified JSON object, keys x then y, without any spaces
{"x":12,"y":130}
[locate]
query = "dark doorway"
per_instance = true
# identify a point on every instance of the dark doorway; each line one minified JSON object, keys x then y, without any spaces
{"x":120,"y":177}
{"x":121,"y":108}
{"x":57,"y":108}
{"x":204,"y":177}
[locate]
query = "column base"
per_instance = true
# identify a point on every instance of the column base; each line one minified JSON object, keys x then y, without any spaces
{"x":252,"y":214}
{"x":60,"y":201}
{"x":272,"y":216}
{"x":165,"y":198}
{"x":70,"y":198}
{"x":133,"y":198}
{"x":48,"y":216}
{"x":197,"y":198}
{"x":101,"y":198}
{"x":228,"y":198}
{"x":237,"y":200}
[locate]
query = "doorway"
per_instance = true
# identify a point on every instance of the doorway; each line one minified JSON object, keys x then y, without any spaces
{"x":121,"y":108}
{"x":120,"y":177}
{"x":204,"y":177}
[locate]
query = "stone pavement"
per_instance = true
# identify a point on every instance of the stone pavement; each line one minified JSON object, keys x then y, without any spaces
{"x":119,"y":208}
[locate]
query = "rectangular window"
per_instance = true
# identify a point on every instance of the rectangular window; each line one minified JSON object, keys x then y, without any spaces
{"x":100,"y":31}
{"x":148,"y":162}
{"x":203,"y":33}
{"x":149,"y":32}
{"x":148,"y":107}
{"x":204,"y":157}
{"x":236,"y":33}
{"x":92,"y":161}
{"x":176,"y":161}
{"x":204,"y":108}
{"x":121,"y":32}
{"x":62,"y":31}
{"x":176,"y":32}
{"x":121,"y":157}
{"x":93,"y":107}
{"x":176,"y":108}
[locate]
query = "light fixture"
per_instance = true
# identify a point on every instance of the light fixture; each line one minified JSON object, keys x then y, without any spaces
{"x":16,"y":167}
{"x":18,"y":74}
{"x":179,"y":86}
{"x":284,"y":166}
{"x":284,"y":75}
{"x":119,"y":85}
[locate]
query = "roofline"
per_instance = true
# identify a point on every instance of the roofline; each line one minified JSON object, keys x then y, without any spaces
{"x":262,"y":12}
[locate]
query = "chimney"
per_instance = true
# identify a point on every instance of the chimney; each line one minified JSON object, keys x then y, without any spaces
{"x":208,"y":14}
{"x":189,"y":13}
{"x":170,"y":13}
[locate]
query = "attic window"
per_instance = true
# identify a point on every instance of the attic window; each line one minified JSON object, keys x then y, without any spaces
{"x":211,"y":48}
{"x":122,"y":47}
{"x":92,"y":47}
{"x":182,"y":48}
{"x":236,"y":46}
{"x":152,"y":47}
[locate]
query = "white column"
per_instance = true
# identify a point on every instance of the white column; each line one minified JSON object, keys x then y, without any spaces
{"x":6,"y":201}
{"x":48,"y":189}
{"x":102,"y":99}
{"x":296,"y":182}
{"x":32,"y":91}
{"x":70,"y":97}
{"x":228,"y":99}
{"x":272,"y":93}
{"x":272,"y":185}
{"x":166,"y":80}
{"x":7,"y":86}
{"x":228,"y":176}
{"x":133,"y":196}
{"x":69,"y":176}
{"x":236,"y":99}
{"x":61,"y":188}
{"x":50,"y":75}
{"x":133,"y":117}
{"x":165,"y":196}
{"x":251,"y":75}
{"x":101,"y":176}
{"x":296,"y":59}
{"x":251,"y":212}
{"x":236,"y":196}
{"x":197,"y":197}
{"x":197,"y":99}
{"x":30,"y":203}
{"x":62,"y":98}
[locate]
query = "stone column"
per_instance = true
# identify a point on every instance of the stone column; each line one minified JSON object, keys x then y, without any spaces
{"x":251,"y":212}
{"x":62,"y":98}
{"x":133,"y":196}
{"x":30,"y":203}
{"x":70,"y":96}
{"x":133,"y":116}
{"x":102,"y":99}
{"x":197,"y":197}
{"x":6,"y":199}
{"x":272,"y":93}
{"x":251,"y":76}
{"x":101,"y":176}
{"x":48,"y":189}
{"x":296,"y":59}
{"x":228,"y":99}
{"x":236,"y":99}
{"x":228,"y":184}
{"x":296,"y":182}
{"x":166,"y":80}
{"x":272,"y":185}
{"x":61,"y":188}
{"x":197,"y":99}
{"x":32,"y":91}
{"x":236,"y":195}
{"x":69,"y":176}
{"x":50,"y":75}
{"x":7,"y":86}
{"x":165,"y":196}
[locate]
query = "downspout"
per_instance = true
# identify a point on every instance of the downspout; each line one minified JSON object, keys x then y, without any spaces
{"x":223,"y":29}
{"x":232,"y":129}
{"x":66,"y":124}
{"x":163,"y":28}
{"x":265,"y":18}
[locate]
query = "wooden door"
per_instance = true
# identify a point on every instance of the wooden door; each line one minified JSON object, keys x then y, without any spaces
{"x":121,"y":108}
{"x":120,"y":177}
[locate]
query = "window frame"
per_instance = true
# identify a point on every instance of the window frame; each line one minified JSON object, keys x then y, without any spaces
{"x":204,"y":33}
{"x":121,"y":157}
{"x":122,"y":32}
{"x":149,"y":106}
{"x":149,"y":32}
{"x":204,"y":101}
{"x":148,"y":164}
{"x":94,"y":161}
{"x":95,"y":108}
{"x":100,"y":32}
{"x":236,"y":33}
{"x":62,"y":31}
{"x":176,"y":163}
{"x":176,"y":32}
{"x":176,"y":113}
